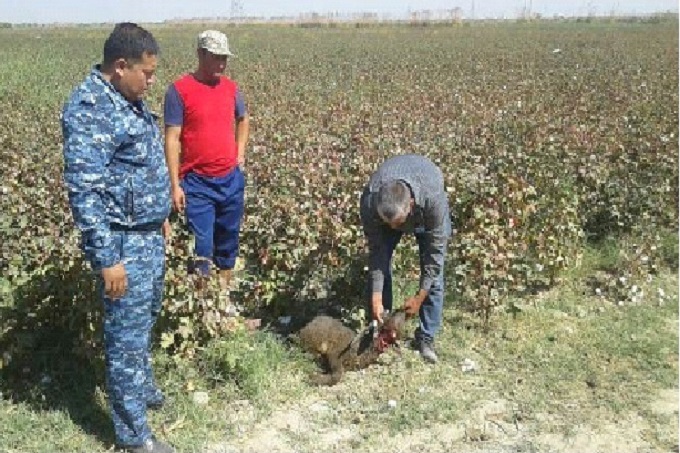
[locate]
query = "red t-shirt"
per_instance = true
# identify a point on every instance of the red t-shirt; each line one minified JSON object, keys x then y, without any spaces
{"x":208,"y":137}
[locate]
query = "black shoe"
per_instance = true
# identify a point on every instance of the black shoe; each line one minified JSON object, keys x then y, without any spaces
{"x":426,"y":350}
{"x":157,"y":401}
{"x":152,"y":445}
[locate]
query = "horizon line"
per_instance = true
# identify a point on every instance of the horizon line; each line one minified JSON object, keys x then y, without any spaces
{"x":452,"y":15}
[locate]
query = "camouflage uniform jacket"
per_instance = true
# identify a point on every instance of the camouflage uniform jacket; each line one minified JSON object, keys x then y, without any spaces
{"x":114,"y":168}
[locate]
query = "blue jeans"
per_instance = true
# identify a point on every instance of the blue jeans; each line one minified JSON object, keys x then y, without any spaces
{"x":431,"y":310}
{"x":214,"y":209}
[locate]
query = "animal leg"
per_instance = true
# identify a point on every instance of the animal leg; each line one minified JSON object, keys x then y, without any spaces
{"x":335,"y":371}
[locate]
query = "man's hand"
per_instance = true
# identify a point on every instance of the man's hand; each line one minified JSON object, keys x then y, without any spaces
{"x":166,"y":229}
{"x":178,"y":200}
{"x":412,"y":304}
{"x":115,"y":281}
{"x":377,"y":307}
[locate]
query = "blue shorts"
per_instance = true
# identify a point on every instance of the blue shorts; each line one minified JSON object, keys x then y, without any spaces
{"x":214,"y":210}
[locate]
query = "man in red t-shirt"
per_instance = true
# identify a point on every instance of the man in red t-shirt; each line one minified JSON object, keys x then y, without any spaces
{"x":206,"y":131}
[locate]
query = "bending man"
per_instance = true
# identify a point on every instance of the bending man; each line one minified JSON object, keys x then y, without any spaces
{"x":406,"y":195}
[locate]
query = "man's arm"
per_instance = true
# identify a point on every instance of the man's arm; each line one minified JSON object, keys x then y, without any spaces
{"x":377,"y":268}
{"x":87,"y":151}
{"x":88,"y":148}
{"x":173,"y":112}
{"x":434,"y":240}
{"x":437,"y":232}
{"x":242,"y":134}
{"x":378,"y":261}
{"x":242,"y":128}
{"x":173,"y":149}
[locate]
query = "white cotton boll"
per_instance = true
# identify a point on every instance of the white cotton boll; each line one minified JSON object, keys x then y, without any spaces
{"x":468,"y":365}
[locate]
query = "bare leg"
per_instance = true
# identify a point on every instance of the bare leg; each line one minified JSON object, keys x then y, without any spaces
{"x":201,"y":276}
{"x":224,"y":278}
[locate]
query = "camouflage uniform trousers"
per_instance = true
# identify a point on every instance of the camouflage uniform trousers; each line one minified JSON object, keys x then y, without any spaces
{"x":128,"y":322}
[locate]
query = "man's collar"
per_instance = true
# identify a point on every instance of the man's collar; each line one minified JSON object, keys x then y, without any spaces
{"x":116,"y":96}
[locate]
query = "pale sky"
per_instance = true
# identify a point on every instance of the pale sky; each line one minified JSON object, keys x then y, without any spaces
{"x":88,"y":11}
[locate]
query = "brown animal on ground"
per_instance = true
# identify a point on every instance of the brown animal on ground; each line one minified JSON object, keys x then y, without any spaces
{"x":343,"y":349}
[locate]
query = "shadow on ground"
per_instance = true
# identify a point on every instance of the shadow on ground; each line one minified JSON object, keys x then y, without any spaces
{"x":346,"y":292}
{"x":50,"y":359}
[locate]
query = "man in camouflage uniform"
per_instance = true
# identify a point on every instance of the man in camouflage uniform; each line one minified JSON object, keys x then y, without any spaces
{"x":119,"y":193}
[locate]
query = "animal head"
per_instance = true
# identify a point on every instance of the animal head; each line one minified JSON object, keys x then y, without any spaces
{"x":391,"y":330}
{"x":394,"y":324}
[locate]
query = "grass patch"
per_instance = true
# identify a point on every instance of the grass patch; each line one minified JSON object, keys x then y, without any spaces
{"x":251,"y":362}
{"x":565,"y":360}
{"x":669,"y":249}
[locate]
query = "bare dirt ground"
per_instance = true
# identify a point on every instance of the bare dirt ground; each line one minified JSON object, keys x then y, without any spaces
{"x":304,"y":427}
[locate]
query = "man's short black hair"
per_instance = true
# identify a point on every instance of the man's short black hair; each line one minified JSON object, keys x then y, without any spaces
{"x":129,"y":41}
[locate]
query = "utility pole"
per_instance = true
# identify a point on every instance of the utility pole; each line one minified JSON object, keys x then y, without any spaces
{"x":236,"y":9}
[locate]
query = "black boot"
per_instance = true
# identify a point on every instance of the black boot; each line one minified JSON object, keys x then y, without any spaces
{"x":156,"y":400}
{"x":152,"y":445}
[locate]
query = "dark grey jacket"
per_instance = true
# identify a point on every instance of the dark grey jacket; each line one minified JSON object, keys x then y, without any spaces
{"x":429,"y":218}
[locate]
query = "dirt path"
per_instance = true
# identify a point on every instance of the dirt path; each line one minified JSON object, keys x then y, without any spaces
{"x":304,"y":427}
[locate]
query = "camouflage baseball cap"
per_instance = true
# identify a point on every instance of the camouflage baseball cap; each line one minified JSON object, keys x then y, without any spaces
{"x":214,"y":42}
